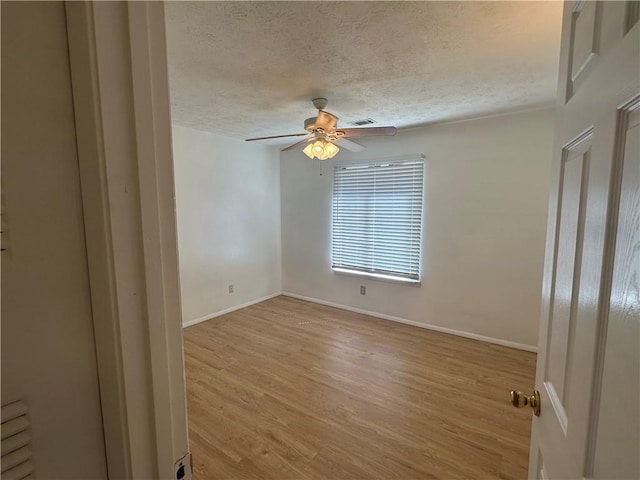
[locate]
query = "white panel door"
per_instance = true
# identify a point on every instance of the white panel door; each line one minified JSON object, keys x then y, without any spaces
{"x":588,"y":359}
{"x":48,"y":348}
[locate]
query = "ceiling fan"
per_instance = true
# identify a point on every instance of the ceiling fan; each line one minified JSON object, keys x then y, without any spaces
{"x":323,"y":136}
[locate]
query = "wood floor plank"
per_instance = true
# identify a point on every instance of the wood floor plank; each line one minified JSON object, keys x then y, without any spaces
{"x":288,"y":389}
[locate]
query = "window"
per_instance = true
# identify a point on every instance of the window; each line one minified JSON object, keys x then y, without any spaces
{"x":377,"y":219}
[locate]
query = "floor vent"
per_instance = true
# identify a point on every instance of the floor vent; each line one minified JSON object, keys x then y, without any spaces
{"x":17,"y":456}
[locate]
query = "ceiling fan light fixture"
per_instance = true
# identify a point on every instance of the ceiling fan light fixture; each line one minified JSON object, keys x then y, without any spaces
{"x":308,"y":150}
{"x":331,"y":149}
{"x":321,"y":149}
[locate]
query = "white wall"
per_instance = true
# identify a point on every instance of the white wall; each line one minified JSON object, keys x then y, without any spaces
{"x":485,"y":220}
{"x":228,"y":211}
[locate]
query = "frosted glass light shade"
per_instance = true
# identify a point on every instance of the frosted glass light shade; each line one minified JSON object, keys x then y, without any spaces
{"x":331,"y":149}
{"x":321,"y":150}
{"x":308,"y":150}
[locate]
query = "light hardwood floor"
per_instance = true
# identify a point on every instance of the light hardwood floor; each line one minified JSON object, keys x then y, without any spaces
{"x":287,"y":389}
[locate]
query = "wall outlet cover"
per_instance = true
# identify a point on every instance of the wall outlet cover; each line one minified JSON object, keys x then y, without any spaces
{"x":183,"y":468}
{"x":363,"y":290}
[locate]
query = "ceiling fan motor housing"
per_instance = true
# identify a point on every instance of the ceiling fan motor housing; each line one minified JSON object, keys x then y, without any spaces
{"x":324,"y":123}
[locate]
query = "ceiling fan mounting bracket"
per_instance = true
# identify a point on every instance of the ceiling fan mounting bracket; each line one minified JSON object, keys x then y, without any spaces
{"x":319,"y":103}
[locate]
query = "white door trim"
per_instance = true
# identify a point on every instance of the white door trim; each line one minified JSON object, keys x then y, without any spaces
{"x":121,"y":101}
{"x":158,"y":207}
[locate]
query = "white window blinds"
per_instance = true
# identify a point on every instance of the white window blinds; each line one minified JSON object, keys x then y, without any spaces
{"x":377,"y":218}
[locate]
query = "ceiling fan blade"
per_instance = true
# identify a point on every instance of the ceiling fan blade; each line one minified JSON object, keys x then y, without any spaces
{"x":348,"y":144}
{"x":365,"y":132}
{"x":325,"y":120}
{"x":291,"y":147}
{"x":277,"y":136}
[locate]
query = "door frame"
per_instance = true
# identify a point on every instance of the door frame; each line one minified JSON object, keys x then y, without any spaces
{"x":118,"y":67}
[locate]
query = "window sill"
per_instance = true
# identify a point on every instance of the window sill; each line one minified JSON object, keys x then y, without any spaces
{"x":377,"y":276}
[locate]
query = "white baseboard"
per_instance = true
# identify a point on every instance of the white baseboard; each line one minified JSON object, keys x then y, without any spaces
{"x":228,"y":310}
{"x":475,"y":336}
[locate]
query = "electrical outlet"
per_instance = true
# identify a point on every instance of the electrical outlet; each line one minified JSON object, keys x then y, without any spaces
{"x":363,"y":290}
{"x":183,"y":468}
{"x":231,"y":288}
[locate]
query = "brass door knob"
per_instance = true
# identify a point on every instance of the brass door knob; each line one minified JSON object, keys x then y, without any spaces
{"x":520,"y":400}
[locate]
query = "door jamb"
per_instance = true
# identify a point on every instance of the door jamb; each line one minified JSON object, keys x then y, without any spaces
{"x":121,"y":102}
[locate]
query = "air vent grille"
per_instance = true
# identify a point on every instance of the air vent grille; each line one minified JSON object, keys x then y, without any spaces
{"x":360,"y":123}
{"x":17,"y":456}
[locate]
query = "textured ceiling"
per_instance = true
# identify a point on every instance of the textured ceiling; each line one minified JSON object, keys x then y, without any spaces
{"x":246,"y":69}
